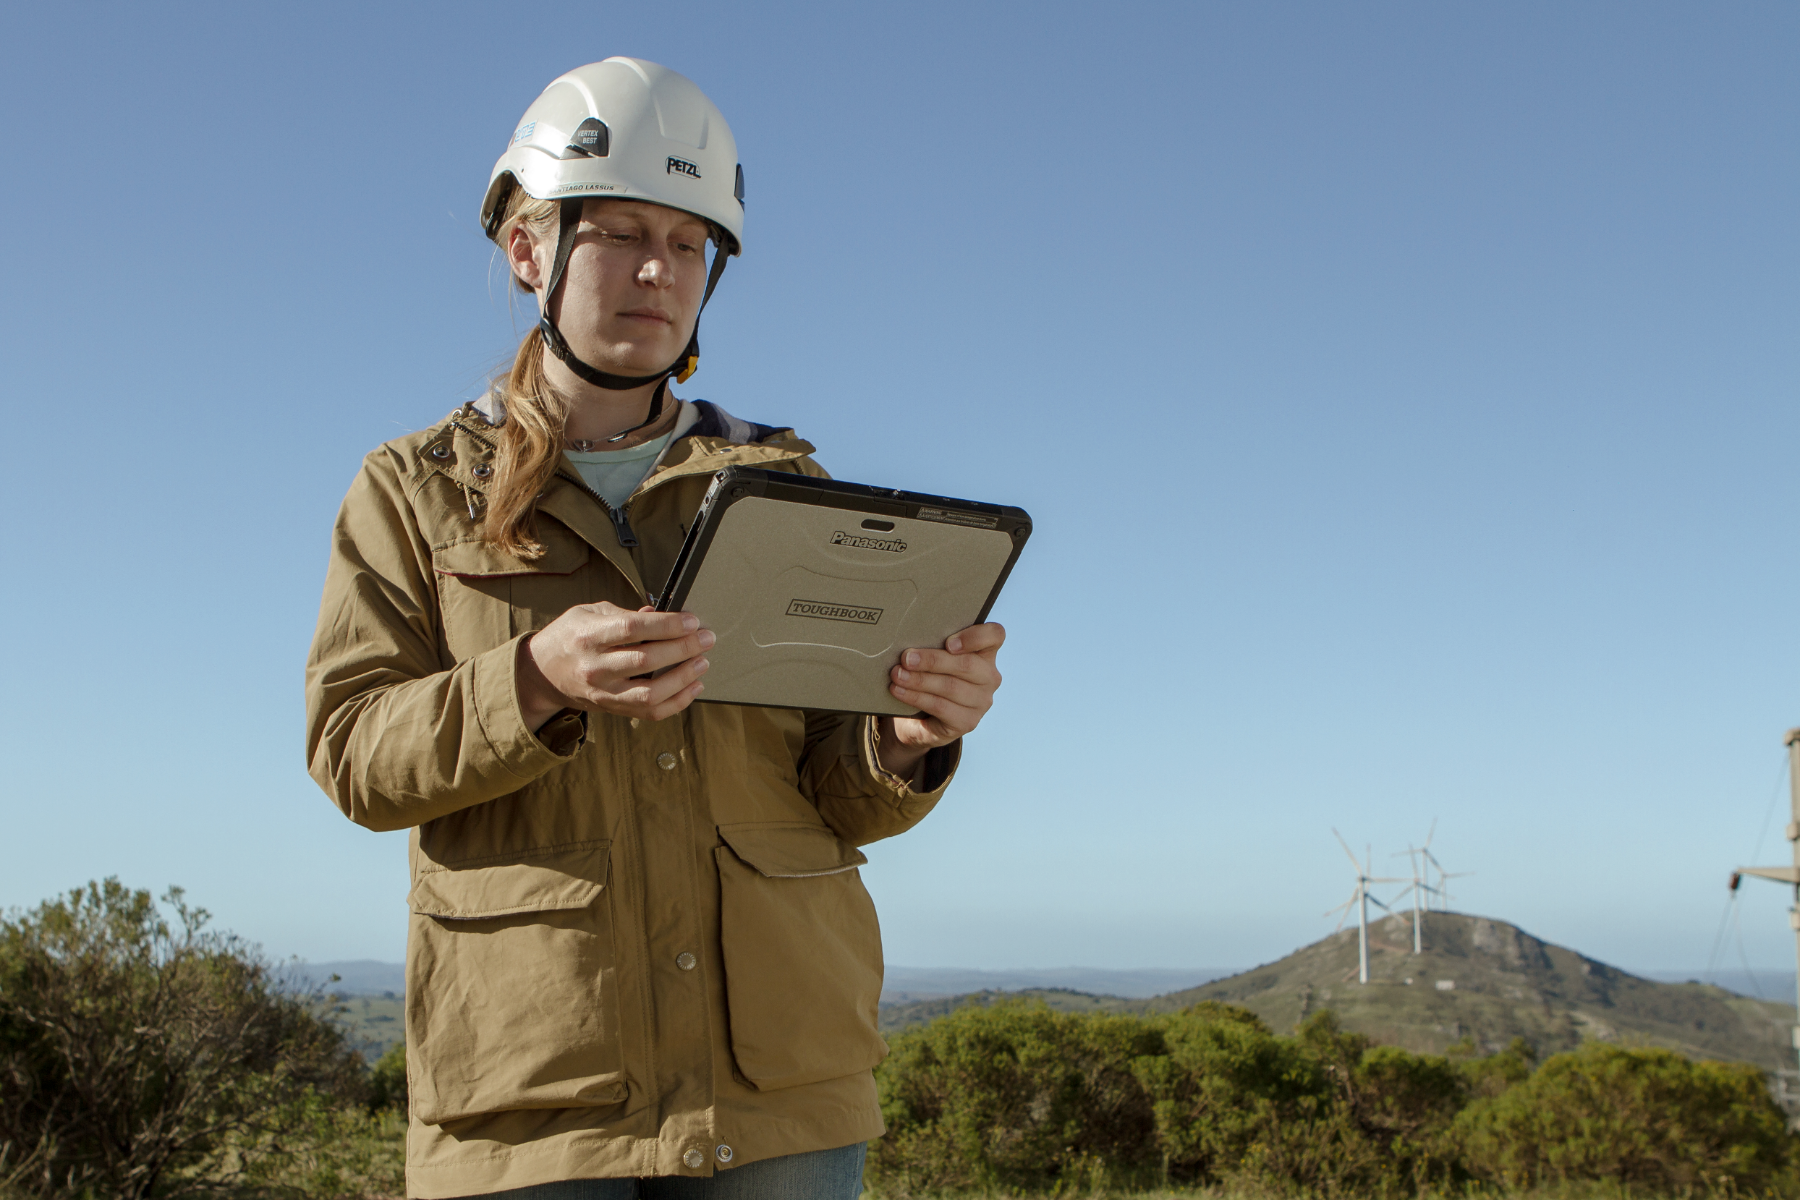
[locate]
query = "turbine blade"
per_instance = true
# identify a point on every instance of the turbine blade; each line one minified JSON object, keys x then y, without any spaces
{"x":1347,"y":850}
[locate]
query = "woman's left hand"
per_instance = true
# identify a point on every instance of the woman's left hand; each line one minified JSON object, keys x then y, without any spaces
{"x":954,"y":687}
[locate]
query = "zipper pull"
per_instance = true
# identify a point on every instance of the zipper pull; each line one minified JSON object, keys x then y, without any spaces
{"x":622,"y":527}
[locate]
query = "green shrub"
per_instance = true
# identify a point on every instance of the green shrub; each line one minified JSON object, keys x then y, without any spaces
{"x":324,"y":1150}
{"x":387,"y":1081}
{"x":1223,"y":1088}
{"x":140,"y":1060}
{"x":1016,"y":1097}
{"x":1634,"y":1117}
{"x":1494,"y":1073}
{"x":1319,"y":1113}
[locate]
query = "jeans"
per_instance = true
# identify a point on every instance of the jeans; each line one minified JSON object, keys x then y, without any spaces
{"x":818,"y":1175}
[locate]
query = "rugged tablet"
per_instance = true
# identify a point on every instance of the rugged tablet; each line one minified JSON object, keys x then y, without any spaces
{"x":814,"y":587}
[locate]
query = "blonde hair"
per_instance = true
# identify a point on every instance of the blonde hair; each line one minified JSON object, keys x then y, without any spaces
{"x":531,"y":435}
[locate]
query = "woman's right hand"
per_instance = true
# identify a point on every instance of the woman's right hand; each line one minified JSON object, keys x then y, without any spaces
{"x":593,"y":658}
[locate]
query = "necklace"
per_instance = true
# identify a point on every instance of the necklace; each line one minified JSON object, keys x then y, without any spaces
{"x":590,"y":445}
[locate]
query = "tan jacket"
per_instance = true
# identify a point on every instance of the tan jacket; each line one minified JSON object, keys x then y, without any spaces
{"x":634,"y":948}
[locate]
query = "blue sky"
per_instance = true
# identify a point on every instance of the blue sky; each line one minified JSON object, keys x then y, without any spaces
{"x":1404,"y":394}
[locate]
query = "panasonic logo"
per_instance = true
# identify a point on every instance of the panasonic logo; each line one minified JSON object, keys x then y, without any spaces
{"x":825,"y":610}
{"x":856,"y":540}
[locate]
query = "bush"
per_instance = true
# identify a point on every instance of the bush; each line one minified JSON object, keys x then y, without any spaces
{"x":387,"y":1081}
{"x":329,"y":1150}
{"x":1016,"y":1097}
{"x":1011,"y":1097}
{"x":1320,"y":1112}
{"x":137,"y":1059}
{"x":1495,"y":1073}
{"x":1225,"y":1090}
{"x":1636,"y":1117}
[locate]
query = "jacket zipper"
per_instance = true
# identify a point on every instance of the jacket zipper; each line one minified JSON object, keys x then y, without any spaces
{"x":621,"y":517}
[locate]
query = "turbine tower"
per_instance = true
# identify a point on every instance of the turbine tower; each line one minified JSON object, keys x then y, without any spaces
{"x":1418,"y":889}
{"x":1787,"y":875}
{"x":1421,"y":890}
{"x":1359,"y":901}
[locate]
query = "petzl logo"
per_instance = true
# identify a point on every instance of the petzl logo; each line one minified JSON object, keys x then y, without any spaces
{"x":840,"y":538}
{"x":825,"y":610}
{"x":681,"y":166}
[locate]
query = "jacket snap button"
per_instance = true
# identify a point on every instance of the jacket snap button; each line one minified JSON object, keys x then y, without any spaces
{"x":724,"y":1153}
{"x":686,"y":961}
{"x":694,"y":1158}
{"x":666,"y":761}
{"x":440,"y":452}
{"x":482,"y":470}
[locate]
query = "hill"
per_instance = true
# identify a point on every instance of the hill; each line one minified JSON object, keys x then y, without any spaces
{"x":1489,"y":982}
{"x":1478,"y":979}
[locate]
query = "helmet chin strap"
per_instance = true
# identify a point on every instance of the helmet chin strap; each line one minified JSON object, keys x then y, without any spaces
{"x":681,"y":368}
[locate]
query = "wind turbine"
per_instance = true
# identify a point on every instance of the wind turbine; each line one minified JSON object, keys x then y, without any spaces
{"x":1442,"y":890}
{"x":1421,"y":860}
{"x":1359,"y":900}
{"x":1419,"y":889}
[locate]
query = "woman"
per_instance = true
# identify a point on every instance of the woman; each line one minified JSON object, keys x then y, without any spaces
{"x":640,"y":958}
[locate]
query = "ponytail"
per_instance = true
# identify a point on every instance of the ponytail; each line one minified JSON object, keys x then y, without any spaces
{"x":530,"y":446}
{"x":530,"y":435}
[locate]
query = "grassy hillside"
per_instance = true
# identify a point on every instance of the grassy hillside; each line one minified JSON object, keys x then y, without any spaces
{"x":1489,"y":981}
{"x":374,"y":1022}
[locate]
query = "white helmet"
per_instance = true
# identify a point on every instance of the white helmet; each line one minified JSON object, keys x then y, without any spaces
{"x":626,"y":128}
{"x":633,"y":130}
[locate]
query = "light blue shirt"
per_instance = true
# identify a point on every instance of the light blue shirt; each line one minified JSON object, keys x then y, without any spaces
{"x":615,"y":474}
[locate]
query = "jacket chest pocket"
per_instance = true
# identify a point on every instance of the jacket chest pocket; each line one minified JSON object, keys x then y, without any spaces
{"x":512,"y":995}
{"x":802,"y":954}
{"x":488,"y":598}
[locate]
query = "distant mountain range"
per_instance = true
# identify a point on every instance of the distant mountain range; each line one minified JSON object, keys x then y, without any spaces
{"x":363,"y":977}
{"x":914,"y":983}
{"x":368,"y":977}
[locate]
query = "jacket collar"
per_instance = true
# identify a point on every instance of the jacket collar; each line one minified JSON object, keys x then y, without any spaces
{"x":708,"y":439}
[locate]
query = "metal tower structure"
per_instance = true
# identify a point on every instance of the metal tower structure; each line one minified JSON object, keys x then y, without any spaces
{"x":1787,"y":875}
{"x":1423,"y":861}
{"x":1359,"y":902}
{"x":1418,"y":889}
